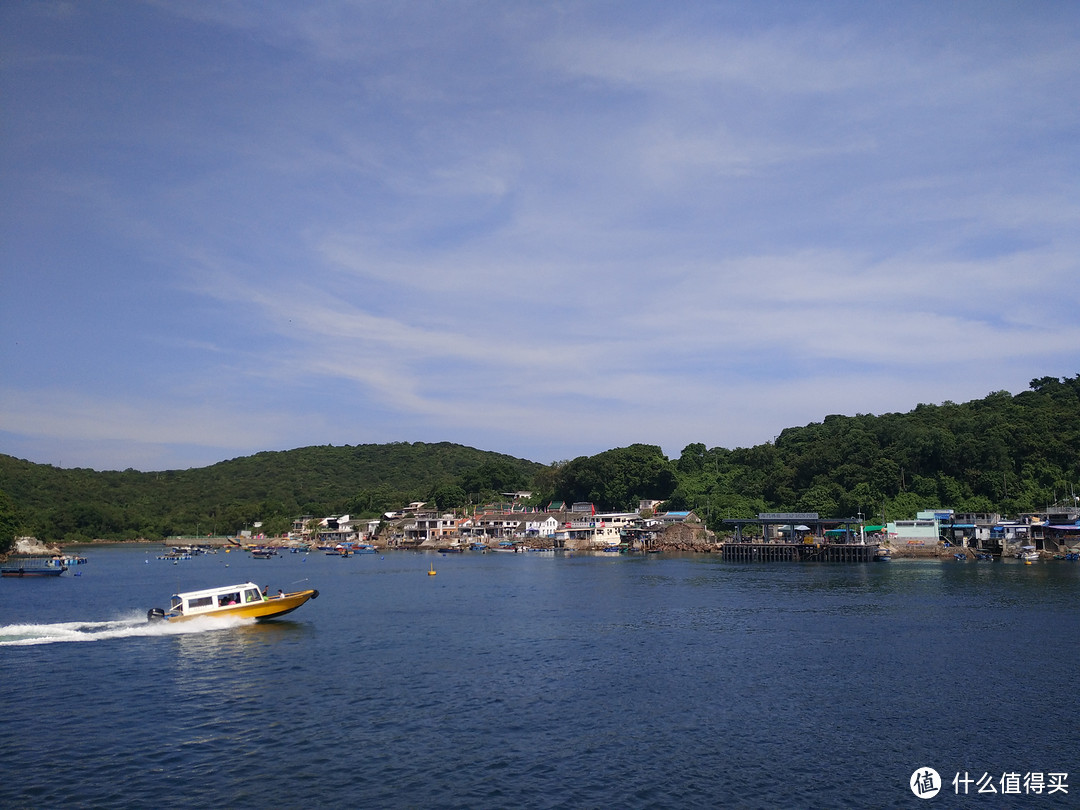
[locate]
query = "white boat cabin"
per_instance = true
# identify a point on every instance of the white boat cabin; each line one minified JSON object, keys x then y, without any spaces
{"x":213,"y":599}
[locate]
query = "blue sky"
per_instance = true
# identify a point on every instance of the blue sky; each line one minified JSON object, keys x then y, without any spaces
{"x":544,"y":229}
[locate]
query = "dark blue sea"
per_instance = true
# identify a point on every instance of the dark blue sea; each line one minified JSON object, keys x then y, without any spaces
{"x":543,"y":681}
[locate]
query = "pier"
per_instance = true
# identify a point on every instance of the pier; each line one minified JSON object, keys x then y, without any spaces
{"x":797,"y":552}
{"x":798,"y":537}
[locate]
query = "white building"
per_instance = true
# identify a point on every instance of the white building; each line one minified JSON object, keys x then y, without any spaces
{"x":431,"y":527}
{"x":541,"y":528}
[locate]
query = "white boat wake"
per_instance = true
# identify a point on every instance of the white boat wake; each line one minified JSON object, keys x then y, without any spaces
{"x":18,"y":635}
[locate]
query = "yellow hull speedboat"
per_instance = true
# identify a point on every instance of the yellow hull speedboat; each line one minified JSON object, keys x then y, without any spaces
{"x":244,"y":601}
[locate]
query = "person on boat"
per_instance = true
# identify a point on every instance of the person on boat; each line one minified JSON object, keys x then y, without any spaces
{"x":264,"y":590}
{"x":280,"y":594}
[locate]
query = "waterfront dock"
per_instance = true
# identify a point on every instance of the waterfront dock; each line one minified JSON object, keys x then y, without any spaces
{"x":797,"y":552}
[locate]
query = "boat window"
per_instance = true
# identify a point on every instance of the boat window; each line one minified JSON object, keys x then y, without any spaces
{"x":176,"y":604}
{"x":252,"y":595}
{"x":201,"y":601}
{"x":229,"y":599}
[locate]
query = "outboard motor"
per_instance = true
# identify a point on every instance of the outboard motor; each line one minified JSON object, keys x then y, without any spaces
{"x":155,"y":615}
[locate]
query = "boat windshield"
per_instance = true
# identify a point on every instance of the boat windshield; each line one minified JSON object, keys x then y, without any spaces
{"x":176,"y":604}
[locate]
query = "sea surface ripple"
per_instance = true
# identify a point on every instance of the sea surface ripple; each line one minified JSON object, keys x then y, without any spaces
{"x":536,"y":681}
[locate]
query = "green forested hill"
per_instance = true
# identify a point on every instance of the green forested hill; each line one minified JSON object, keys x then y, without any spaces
{"x":1003,"y":453}
{"x":273,"y":487}
{"x":1006,"y":454}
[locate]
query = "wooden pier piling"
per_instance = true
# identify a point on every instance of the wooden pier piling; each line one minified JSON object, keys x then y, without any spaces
{"x":798,"y":552}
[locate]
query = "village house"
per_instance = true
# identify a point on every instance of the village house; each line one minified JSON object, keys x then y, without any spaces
{"x":589,"y":530}
{"x":667,"y":518}
{"x":335,"y":529}
{"x":922,"y":532}
{"x":496,"y":526}
{"x":430,"y":526}
{"x":537,"y":527}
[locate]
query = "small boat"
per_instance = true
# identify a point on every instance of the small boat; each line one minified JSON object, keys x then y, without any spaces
{"x":263,"y":553}
{"x":33,"y":567}
{"x":478,"y":547}
{"x":452,"y":550}
{"x":882,"y":555}
{"x":1028,"y":553}
{"x":244,"y":601}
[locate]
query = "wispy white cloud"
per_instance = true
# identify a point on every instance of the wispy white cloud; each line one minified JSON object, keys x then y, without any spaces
{"x":534,"y":226}
{"x":61,"y":414}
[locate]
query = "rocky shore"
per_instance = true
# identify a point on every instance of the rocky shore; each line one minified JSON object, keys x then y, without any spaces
{"x":32,"y":547}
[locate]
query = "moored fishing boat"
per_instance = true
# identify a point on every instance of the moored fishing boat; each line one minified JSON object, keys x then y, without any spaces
{"x":33,"y":567}
{"x":243,"y":601}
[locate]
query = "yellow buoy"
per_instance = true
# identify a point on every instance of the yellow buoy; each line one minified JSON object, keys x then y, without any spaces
{"x":431,"y":571}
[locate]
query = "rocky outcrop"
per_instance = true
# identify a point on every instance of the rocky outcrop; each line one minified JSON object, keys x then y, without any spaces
{"x":31,"y":547}
{"x":686,"y":537}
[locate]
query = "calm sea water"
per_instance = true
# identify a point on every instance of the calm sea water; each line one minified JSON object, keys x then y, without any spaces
{"x":539,"y":681}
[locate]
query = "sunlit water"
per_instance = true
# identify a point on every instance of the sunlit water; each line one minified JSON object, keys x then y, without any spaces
{"x":537,"y":681}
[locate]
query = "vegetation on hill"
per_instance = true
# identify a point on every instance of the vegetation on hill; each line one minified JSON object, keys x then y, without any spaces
{"x":271,"y":487}
{"x":1003,"y":453}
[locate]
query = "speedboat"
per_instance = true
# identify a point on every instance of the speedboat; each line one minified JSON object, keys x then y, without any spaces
{"x":1028,"y":553}
{"x":243,"y":601}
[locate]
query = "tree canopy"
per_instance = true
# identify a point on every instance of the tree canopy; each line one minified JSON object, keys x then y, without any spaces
{"x":1003,"y":453}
